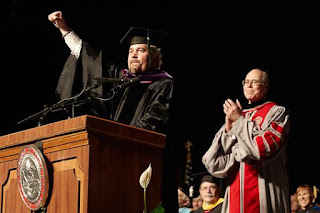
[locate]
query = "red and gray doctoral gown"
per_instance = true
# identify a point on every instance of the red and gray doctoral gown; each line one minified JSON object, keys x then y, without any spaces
{"x":253,"y":158}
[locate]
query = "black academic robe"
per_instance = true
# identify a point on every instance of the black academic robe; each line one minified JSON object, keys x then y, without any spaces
{"x":145,"y":105}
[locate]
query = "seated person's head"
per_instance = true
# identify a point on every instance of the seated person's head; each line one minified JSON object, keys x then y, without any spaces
{"x":197,"y":202}
{"x":305,"y":196}
{"x":209,"y":189}
{"x":294,"y":203}
{"x":183,"y":198}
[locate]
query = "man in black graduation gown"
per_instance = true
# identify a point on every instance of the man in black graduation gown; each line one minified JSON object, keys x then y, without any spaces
{"x":143,"y":104}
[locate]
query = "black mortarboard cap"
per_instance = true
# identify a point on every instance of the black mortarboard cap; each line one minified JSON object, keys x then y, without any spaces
{"x":185,"y":189}
{"x":210,"y":179}
{"x":200,"y":177}
{"x":138,"y":35}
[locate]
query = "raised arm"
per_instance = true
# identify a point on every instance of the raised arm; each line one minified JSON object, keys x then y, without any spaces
{"x":57,"y":19}
{"x":71,"y":38}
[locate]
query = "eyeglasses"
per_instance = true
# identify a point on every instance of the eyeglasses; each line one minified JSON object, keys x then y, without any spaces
{"x":253,"y":81}
{"x":205,"y":188}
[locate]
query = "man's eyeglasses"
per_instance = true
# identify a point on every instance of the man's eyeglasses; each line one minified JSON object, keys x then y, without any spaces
{"x":253,"y":82}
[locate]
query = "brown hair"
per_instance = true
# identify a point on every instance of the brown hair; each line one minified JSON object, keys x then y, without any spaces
{"x":308,"y":188}
{"x":156,"y":57}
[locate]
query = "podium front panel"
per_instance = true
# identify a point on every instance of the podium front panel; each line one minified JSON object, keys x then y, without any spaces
{"x":93,"y":165}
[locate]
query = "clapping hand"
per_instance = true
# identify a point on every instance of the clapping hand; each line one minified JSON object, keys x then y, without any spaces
{"x":233,"y":111}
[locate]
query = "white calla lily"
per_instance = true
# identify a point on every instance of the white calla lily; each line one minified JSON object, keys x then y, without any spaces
{"x":145,"y":177}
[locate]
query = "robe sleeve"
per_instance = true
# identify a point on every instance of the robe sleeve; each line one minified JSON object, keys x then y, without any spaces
{"x":75,"y":73}
{"x":65,"y":82}
{"x":219,"y":159}
{"x":260,"y":143}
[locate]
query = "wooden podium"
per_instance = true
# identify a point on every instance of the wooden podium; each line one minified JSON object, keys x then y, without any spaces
{"x":94,"y":165}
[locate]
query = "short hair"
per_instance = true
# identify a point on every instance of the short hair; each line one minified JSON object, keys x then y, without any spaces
{"x":156,"y":56}
{"x":265,"y":76}
{"x":308,"y":188}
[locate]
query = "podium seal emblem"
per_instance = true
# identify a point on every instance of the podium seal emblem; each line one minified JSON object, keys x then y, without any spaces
{"x":32,"y":177}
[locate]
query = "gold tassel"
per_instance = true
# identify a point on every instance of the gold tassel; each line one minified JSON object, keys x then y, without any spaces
{"x":315,"y":192}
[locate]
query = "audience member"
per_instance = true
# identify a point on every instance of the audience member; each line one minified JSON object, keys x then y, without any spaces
{"x":250,"y":150}
{"x":197,"y":202}
{"x":306,"y":199}
{"x":184,"y":201}
{"x":294,"y":203}
{"x":210,"y":192}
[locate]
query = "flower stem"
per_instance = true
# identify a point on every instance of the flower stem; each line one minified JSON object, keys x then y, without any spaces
{"x":145,"y":199}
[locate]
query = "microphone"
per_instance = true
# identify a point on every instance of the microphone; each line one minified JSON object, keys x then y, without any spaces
{"x":89,"y":88}
{"x":111,"y":80}
{"x":130,"y":82}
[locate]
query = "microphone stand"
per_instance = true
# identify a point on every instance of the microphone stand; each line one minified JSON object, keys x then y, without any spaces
{"x":61,"y":105}
{"x":41,"y":115}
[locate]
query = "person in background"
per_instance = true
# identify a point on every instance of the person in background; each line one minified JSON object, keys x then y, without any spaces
{"x":210,"y":193}
{"x":306,"y":199}
{"x":197,"y":202}
{"x":294,"y":203}
{"x":250,"y":150}
{"x":184,"y":201}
